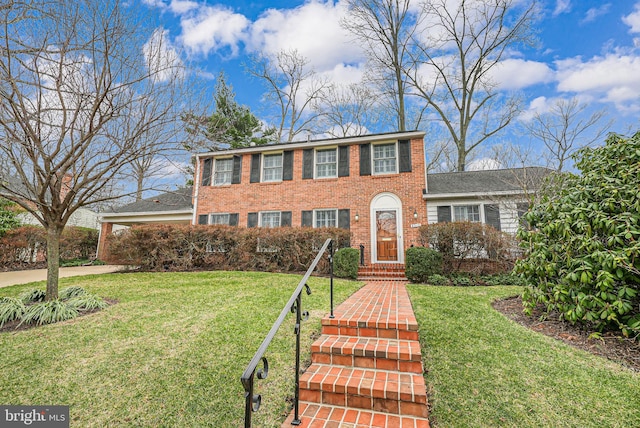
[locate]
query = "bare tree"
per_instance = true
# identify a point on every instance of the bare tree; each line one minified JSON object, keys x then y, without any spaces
{"x":385,"y":28}
{"x":73,"y":77}
{"x":565,"y":128}
{"x":452,"y":61}
{"x":347,"y":110}
{"x":291,"y":88}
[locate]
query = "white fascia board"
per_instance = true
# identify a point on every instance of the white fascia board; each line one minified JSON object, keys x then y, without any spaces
{"x":150,"y":216}
{"x":317,"y":143}
{"x":483,"y":195}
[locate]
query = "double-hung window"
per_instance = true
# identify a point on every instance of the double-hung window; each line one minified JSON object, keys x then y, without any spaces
{"x":466,"y":213}
{"x":272,"y":167}
{"x":223,"y":171}
{"x":384,"y":159}
{"x":326,"y":163}
{"x":326,"y":218}
{"x":270,"y":219}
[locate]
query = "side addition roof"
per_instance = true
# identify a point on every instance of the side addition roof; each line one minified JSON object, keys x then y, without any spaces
{"x":485,"y":183}
{"x":177,"y":200}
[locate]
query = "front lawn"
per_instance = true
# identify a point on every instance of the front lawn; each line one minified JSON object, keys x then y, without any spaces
{"x":169,"y":354}
{"x":487,"y":371}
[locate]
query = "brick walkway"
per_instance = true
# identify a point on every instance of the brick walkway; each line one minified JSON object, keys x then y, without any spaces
{"x":366,"y":367}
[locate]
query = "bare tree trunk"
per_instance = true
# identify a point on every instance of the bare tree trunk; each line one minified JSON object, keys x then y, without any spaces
{"x":53,"y":261}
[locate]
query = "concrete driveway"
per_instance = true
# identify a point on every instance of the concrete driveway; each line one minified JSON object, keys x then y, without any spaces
{"x":24,"y":276}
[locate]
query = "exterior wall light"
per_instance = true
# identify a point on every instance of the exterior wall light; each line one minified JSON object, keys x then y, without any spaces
{"x":357,"y":217}
{"x":415,"y":214}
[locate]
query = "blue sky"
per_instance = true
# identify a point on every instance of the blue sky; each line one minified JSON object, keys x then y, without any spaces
{"x":589,"y":49}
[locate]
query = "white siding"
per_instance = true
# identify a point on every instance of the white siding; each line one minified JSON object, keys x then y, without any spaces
{"x":508,"y":210}
{"x":81,"y":218}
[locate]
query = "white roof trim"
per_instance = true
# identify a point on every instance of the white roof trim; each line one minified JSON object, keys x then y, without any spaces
{"x":428,"y":196}
{"x":318,"y":143}
{"x":188,"y":212}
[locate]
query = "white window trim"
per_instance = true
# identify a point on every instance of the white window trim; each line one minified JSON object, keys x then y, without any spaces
{"x":384,"y":143}
{"x":262,"y":180}
{"x":324,"y":209}
{"x":269,"y":212}
{"x":213,"y":172}
{"x":315,"y":161}
{"x":480,"y":208}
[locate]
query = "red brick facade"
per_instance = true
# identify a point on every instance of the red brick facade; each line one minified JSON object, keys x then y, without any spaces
{"x":354,"y":192}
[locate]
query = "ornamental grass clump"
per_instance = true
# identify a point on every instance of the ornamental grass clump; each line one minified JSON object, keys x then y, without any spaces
{"x":87,"y":302}
{"x":49,"y":312}
{"x":32,"y":296}
{"x":70,"y":292}
{"x":11,"y":309}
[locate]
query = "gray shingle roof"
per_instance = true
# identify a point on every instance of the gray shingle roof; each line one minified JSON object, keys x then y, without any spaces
{"x":488,"y":181}
{"x":177,"y":200}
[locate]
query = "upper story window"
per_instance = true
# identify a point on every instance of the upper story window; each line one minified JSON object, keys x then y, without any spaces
{"x":325,"y":218}
{"x":272,"y":167}
{"x":466,"y":213}
{"x":223,"y":171}
{"x":384,"y":159}
{"x":270,"y":219}
{"x":326,"y":163}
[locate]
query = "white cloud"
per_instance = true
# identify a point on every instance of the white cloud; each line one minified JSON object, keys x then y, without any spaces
{"x":182,"y":6}
{"x":562,"y":6}
{"x":518,"y":73}
{"x":312,"y":29}
{"x":212,"y":28}
{"x":595,"y":12}
{"x":633,"y":19}
{"x":614,"y":78}
{"x":161,"y":57}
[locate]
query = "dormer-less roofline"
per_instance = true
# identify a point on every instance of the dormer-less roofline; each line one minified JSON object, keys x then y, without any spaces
{"x":371,"y":138}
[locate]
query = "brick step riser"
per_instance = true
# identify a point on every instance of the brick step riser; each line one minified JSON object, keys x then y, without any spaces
{"x":367,"y":362}
{"x":370,"y":332}
{"x":379,"y":404}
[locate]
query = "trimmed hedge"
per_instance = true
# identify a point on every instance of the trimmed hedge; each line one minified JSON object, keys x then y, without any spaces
{"x":26,"y":247}
{"x":462,"y":243}
{"x":200,"y":247}
{"x":345,"y":263}
{"x":421,"y":263}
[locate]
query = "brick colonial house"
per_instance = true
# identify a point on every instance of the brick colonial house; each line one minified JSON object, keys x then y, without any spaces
{"x":372,"y":185}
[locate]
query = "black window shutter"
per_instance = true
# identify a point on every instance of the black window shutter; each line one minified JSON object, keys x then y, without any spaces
{"x":203,"y":219}
{"x":287,"y":165}
{"x":233,"y":219}
{"x":237,"y":170}
{"x":285,"y":218}
{"x":206,"y":172}
{"x":255,"y":168}
{"x":307,"y":164}
{"x":444,"y":214}
{"x":252,"y":220}
{"x":344,"y":218}
{"x":404,"y":155}
{"x":365,"y":159}
{"x":307,"y":218}
{"x":343,"y":161}
{"x":492,"y":215}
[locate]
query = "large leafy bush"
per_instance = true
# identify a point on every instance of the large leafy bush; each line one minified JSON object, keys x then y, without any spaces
{"x":345,"y":263}
{"x":583,"y":243}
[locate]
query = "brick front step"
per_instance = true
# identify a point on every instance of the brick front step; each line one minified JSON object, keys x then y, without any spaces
{"x":382,"y":272}
{"x":368,"y":389}
{"x":313,"y":415}
{"x":379,"y":353}
{"x":389,"y":329}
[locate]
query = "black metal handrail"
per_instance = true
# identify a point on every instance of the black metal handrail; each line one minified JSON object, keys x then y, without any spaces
{"x":252,"y":401}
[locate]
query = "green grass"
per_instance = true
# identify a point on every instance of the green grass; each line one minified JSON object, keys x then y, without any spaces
{"x":169,"y":354}
{"x":487,"y":371}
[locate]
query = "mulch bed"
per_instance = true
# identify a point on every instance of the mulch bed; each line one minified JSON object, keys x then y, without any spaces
{"x":611,"y":345}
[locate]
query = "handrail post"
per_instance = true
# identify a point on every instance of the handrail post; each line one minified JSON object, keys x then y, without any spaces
{"x":296,"y":398}
{"x":248,"y":402}
{"x":361,"y":255}
{"x":331,"y":277}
